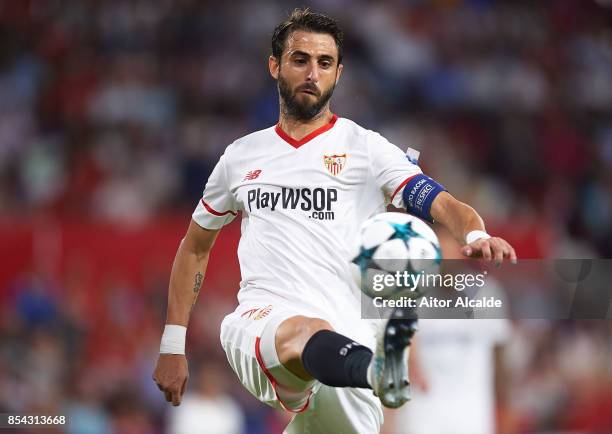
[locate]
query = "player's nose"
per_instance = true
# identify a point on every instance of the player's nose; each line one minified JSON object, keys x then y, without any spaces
{"x":313,"y":72}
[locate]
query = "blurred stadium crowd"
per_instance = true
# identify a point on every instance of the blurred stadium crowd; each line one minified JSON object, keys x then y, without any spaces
{"x":117,"y":111}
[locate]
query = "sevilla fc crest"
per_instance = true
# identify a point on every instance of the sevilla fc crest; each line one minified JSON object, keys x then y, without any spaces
{"x":334,"y":163}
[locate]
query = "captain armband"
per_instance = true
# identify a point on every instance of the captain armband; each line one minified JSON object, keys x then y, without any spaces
{"x":419,"y":194}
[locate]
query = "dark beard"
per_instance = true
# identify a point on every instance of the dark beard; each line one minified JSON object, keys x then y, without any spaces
{"x":301,"y":111}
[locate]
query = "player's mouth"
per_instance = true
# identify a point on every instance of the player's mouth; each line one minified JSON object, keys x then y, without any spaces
{"x":309,"y":92}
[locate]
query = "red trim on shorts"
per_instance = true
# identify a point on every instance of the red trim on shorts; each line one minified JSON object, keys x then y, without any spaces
{"x":402,"y":185}
{"x":217,"y":213}
{"x":274,"y":382}
{"x":297,"y":143}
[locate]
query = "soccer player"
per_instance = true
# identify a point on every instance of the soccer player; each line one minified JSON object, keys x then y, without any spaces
{"x":296,"y":340}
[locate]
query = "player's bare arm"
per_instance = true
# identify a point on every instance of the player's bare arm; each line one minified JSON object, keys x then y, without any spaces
{"x":461,"y":219}
{"x":171,"y":372}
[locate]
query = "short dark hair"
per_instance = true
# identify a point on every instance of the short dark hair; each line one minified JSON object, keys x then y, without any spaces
{"x":304,"y":19}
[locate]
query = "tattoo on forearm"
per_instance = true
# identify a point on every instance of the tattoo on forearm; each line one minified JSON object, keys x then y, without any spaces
{"x":198,"y":282}
{"x":196,"y":287}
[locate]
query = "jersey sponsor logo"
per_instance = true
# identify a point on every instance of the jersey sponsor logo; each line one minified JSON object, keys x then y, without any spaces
{"x":317,"y":201}
{"x":334,"y":163}
{"x":252,"y":174}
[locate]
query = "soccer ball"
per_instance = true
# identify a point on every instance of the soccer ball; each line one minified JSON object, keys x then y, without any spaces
{"x":391,"y":251}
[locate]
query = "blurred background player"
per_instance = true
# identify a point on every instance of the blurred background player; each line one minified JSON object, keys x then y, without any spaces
{"x":207,"y":407}
{"x":456,"y":363}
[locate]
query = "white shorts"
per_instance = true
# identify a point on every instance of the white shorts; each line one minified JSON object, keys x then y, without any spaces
{"x":248,"y":338}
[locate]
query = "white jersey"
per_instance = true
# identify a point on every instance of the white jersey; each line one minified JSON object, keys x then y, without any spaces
{"x":302,"y":203}
{"x":456,"y":359}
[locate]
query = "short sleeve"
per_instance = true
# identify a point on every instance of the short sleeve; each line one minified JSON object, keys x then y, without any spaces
{"x":217,"y":206}
{"x":390,"y":167}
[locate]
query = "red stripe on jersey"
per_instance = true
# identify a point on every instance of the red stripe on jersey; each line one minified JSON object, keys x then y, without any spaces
{"x":217,"y":213}
{"x":273,"y":380}
{"x":402,"y":185}
{"x":297,"y":143}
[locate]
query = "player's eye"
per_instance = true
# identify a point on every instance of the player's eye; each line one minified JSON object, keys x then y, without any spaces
{"x":300,"y":61}
{"x":325,"y":64}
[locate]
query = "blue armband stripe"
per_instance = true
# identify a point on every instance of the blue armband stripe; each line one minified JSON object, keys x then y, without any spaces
{"x":419,"y":194}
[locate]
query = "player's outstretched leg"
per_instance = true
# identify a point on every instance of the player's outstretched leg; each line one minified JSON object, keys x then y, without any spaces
{"x":389,"y":369}
{"x":309,"y":348}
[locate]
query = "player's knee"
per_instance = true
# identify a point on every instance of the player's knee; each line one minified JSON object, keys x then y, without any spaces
{"x":293,"y":333}
{"x":311,"y":326}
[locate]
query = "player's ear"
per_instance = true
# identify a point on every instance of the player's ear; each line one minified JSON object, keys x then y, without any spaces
{"x":274,"y":66}
{"x":339,"y":72}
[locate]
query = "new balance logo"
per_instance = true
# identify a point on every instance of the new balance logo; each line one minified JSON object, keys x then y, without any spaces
{"x":252,"y":174}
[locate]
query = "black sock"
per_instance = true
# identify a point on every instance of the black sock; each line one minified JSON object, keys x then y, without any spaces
{"x":336,"y":360}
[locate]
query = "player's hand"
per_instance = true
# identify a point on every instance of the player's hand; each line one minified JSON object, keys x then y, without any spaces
{"x":171,"y":374}
{"x":490,"y":249}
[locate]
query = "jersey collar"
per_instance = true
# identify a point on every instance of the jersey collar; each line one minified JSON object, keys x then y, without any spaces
{"x":297,"y":143}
